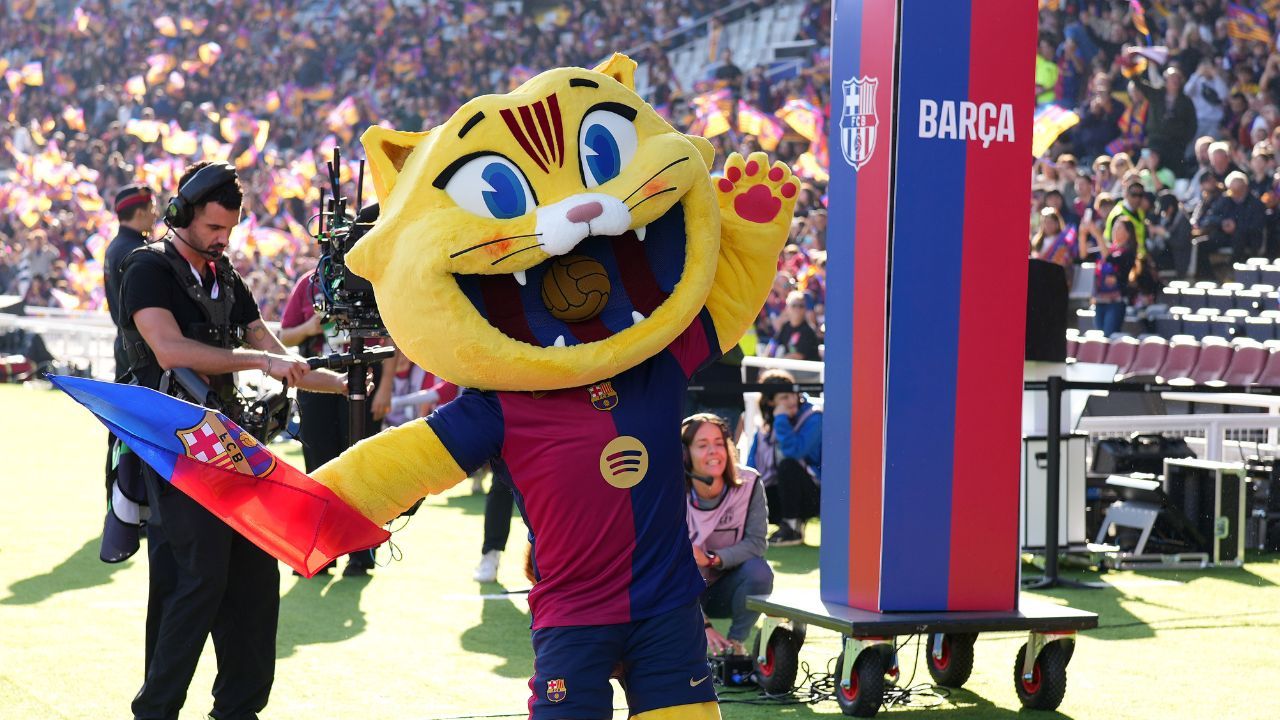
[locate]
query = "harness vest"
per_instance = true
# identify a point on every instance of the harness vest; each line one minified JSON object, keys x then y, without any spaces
{"x":216,"y":330}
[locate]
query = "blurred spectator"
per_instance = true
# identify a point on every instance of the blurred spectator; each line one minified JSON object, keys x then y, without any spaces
{"x":787,"y":452}
{"x":1236,"y":220}
{"x":1055,"y":244}
{"x":1173,"y":228}
{"x":1111,"y":277}
{"x":796,"y":339}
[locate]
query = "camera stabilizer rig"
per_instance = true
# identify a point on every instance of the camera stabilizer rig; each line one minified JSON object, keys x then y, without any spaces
{"x":344,"y":297}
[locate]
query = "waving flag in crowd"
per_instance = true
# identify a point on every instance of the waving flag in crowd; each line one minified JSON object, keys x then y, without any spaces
{"x":1246,"y":24}
{"x":711,"y":114}
{"x":755,"y":122}
{"x":802,"y":116}
{"x":1050,"y":122}
{"x":1139,"y":15}
{"x":209,"y":457}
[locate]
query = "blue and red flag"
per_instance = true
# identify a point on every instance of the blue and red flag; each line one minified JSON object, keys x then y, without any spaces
{"x":207,"y":456}
{"x":1246,"y":24}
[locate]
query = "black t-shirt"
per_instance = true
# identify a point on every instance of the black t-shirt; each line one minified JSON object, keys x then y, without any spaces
{"x":124,"y":243}
{"x":149,"y":282}
{"x":798,"y":339}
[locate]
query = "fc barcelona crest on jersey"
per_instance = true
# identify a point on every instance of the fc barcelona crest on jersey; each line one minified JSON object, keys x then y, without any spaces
{"x":217,"y":441}
{"x":556,"y":690}
{"x":858,"y":121}
{"x":602,"y":396}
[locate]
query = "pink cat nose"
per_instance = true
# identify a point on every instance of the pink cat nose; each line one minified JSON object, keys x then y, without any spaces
{"x":586,"y":212}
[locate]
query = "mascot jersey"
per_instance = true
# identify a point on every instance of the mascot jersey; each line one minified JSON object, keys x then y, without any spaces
{"x":598,"y":476}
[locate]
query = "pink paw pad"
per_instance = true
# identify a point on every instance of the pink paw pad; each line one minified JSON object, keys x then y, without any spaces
{"x":752,"y":168}
{"x":726,"y":185}
{"x":788,"y":190}
{"x":757,"y":204}
{"x":734,"y":174}
{"x":775,"y":174}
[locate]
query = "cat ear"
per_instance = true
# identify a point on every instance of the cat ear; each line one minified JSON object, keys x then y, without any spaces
{"x":387,"y":151}
{"x":704,"y":148}
{"x":620,"y":68}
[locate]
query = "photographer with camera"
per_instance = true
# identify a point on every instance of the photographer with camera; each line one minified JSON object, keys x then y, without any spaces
{"x":184,"y":307}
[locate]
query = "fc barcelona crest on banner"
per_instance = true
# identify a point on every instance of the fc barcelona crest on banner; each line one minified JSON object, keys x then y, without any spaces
{"x":556,"y":690}
{"x":603,"y":396}
{"x":858,"y":121}
{"x":217,"y":441}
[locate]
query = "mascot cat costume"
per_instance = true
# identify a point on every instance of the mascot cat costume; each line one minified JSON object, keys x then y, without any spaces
{"x":562,"y":252}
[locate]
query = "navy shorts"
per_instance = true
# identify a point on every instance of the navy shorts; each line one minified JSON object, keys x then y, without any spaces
{"x":661,"y":662}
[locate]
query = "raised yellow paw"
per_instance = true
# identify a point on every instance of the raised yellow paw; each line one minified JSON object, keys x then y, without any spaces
{"x":756,"y":192}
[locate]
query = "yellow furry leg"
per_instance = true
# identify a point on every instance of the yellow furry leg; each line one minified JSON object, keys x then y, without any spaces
{"x":696,"y":711}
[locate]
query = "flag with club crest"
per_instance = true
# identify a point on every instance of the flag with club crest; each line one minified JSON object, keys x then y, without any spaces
{"x":233,"y":475}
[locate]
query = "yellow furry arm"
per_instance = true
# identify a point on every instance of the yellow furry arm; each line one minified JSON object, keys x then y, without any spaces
{"x":756,"y":202}
{"x":384,"y":475}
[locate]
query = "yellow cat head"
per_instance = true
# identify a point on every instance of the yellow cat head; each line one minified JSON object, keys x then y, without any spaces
{"x":547,"y":238}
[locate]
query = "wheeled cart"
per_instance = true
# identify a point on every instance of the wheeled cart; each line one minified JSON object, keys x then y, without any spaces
{"x":867,"y":659}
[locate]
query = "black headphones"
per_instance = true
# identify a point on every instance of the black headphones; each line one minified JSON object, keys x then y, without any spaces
{"x":182,"y":206}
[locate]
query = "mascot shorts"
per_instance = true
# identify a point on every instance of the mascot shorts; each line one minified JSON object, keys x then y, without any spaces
{"x":660,"y":661}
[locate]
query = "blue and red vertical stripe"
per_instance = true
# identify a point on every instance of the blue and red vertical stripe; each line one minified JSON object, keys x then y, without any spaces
{"x":932,"y":492}
{"x":863,"y":35}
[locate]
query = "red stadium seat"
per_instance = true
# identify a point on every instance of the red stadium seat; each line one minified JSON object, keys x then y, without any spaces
{"x":1092,"y":350}
{"x":1181,"y":360}
{"x":1247,"y":363}
{"x":1212,"y":364}
{"x":1270,"y":375}
{"x":1122,"y":352}
{"x":1150,"y":358}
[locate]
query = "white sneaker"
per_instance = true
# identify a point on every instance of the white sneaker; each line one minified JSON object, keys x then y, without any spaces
{"x":487,"y":570}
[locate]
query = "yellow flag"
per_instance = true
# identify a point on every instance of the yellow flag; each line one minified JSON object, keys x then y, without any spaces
{"x":165,"y":25}
{"x":33,"y":74}
{"x":136,"y":86}
{"x":209,"y":53}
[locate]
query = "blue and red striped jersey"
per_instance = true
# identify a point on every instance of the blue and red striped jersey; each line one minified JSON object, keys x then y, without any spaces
{"x":598,"y":475}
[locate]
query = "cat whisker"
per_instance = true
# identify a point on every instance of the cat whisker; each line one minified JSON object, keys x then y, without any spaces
{"x":491,"y":242}
{"x":516,"y":252}
{"x":650,"y":197}
{"x":670,"y":165}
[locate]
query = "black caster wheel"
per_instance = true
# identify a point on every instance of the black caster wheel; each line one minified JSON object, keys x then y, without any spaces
{"x":777,"y":674}
{"x":865,"y":693}
{"x":955,"y":665}
{"x":1048,"y":681}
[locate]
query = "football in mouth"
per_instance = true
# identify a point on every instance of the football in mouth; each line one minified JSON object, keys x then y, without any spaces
{"x":606,"y":285}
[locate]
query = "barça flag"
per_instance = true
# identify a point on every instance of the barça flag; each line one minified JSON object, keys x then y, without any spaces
{"x":1050,"y":122}
{"x":203,"y":453}
{"x":1246,"y":24}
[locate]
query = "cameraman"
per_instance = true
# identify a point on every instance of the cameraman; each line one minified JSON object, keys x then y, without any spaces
{"x":184,"y":306}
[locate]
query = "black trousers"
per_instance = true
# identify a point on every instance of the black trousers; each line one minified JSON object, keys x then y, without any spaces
{"x":794,"y":495}
{"x":205,"y":579}
{"x":497,"y":516}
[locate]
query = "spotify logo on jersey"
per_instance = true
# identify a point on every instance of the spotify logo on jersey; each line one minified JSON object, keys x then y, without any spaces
{"x":624,"y":462}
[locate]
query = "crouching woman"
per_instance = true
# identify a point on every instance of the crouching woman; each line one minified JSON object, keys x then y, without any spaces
{"x":728,"y":520}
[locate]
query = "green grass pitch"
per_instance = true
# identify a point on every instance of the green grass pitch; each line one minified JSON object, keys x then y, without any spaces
{"x":420,"y":640}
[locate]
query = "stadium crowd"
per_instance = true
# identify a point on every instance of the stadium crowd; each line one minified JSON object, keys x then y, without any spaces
{"x":1173,"y":110}
{"x":98,"y":95}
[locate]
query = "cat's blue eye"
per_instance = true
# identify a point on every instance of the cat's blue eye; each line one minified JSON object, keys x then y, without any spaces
{"x":606,"y":144}
{"x":491,"y":186}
